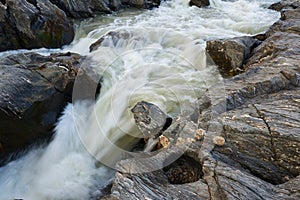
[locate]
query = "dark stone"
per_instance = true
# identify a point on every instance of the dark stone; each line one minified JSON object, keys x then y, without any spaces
{"x":285,"y":4}
{"x":150,"y":119}
{"x":199,"y":3}
{"x":231,"y":54}
{"x":33,"y":24}
{"x":276,"y":6}
{"x":33,"y":91}
{"x":82,"y":8}
{"x":148,"y":4}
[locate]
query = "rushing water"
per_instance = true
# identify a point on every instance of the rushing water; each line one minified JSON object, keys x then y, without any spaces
{"x":162,"y":61}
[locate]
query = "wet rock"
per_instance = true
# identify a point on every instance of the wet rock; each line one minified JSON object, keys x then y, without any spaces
{"x":285,"y":4}
{"x":148,"y":4}
{"x":33,"y":91}
{"x":33,"y":24}
{"x":83,"y":9}
{"x":112,"y":38}
{"x":231,"y":54}
{"x":199,"y":3}
{"x":150,"y":119}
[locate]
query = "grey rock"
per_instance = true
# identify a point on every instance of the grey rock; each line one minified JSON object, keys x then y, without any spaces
{"x":150,"y":119}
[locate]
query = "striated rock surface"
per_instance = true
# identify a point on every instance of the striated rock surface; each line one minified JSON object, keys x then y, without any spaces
{"x":33,"y":24}
{"x":257,"y":114}
{"x":33,"y":91}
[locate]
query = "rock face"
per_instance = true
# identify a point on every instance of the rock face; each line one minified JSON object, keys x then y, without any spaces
{"x":256,"y":112}
{"x":199,"y":3}
{"x":33,"y":24}
{"x":33,"y":91}
{"x":231,"y":54}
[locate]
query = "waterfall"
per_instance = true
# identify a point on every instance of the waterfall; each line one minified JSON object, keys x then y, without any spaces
{"x":162,"y":61}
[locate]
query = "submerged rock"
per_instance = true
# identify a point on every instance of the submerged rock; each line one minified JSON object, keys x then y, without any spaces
{"x":199,"y":3}
{"x":111,"y":38}
{"x":33,"y":24}
{"x":33,"y":91}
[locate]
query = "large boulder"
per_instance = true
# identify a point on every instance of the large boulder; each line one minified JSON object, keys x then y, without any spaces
{"x":33,"y":24}
{"x":33,"y":91}
{"x":231,"y":54}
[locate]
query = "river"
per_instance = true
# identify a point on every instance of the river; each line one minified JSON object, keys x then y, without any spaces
{"x":161,"y":60}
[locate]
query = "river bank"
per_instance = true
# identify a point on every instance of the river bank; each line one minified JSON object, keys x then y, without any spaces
{"x":238,"y":140}
{"x":256,"y":112}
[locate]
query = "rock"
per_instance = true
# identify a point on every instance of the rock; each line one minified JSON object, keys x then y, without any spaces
{"x":83,"y":9}
{"x":218,"y":140}
{"x":150,"y":119}
{"x":285,"y":4}
{"x":112,"y":38}
{"x":199,"y":3}
{"x":256,"y":112}
{"x":33,"y":91}
{"x":148,"y":4}
{"x":33,"y":24}
{"x":231,"y":54}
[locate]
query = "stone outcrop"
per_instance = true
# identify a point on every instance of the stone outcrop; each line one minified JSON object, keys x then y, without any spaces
{"x":231,"y":54}
{"x":257,"y":115}
{"x":33,"y":24}
{"x":33,"y":91}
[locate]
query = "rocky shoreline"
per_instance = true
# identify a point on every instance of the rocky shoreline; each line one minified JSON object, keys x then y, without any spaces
{"x":241,"y":142}
{"x":256,"y":112}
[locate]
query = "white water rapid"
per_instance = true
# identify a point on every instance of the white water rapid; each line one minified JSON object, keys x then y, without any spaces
{"x":162,"y":61}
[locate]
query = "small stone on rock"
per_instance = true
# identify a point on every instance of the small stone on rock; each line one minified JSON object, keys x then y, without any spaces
{"x":164,"y":142}
{"x":218,"y":140}
{"x":199,"y":134}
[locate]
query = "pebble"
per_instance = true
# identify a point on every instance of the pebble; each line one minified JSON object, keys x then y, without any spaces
{"x":218,"y":140}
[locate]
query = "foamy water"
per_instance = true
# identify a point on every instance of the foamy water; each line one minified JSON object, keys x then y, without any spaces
{"x":162,"y":61}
